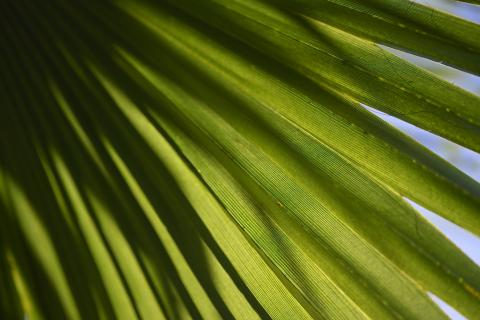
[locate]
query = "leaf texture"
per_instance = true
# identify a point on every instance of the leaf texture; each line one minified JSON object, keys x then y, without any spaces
{"x":212,"y":160}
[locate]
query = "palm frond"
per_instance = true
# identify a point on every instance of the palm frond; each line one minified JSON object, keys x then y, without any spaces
{"x":213,"y":160}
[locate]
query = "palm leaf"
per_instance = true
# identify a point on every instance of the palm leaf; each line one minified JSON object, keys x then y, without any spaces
{"x":212,"y":160}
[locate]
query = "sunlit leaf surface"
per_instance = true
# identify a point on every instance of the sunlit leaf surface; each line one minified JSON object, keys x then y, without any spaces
{"x":211,"y":159}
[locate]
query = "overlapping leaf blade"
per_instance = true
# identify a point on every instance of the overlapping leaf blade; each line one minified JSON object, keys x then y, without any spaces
{"x":210,"y":159}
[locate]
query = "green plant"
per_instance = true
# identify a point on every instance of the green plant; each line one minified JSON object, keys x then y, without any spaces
{"x":211,"y":159}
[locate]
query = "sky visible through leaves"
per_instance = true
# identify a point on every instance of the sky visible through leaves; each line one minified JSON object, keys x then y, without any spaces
{"x":466,"y":160}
